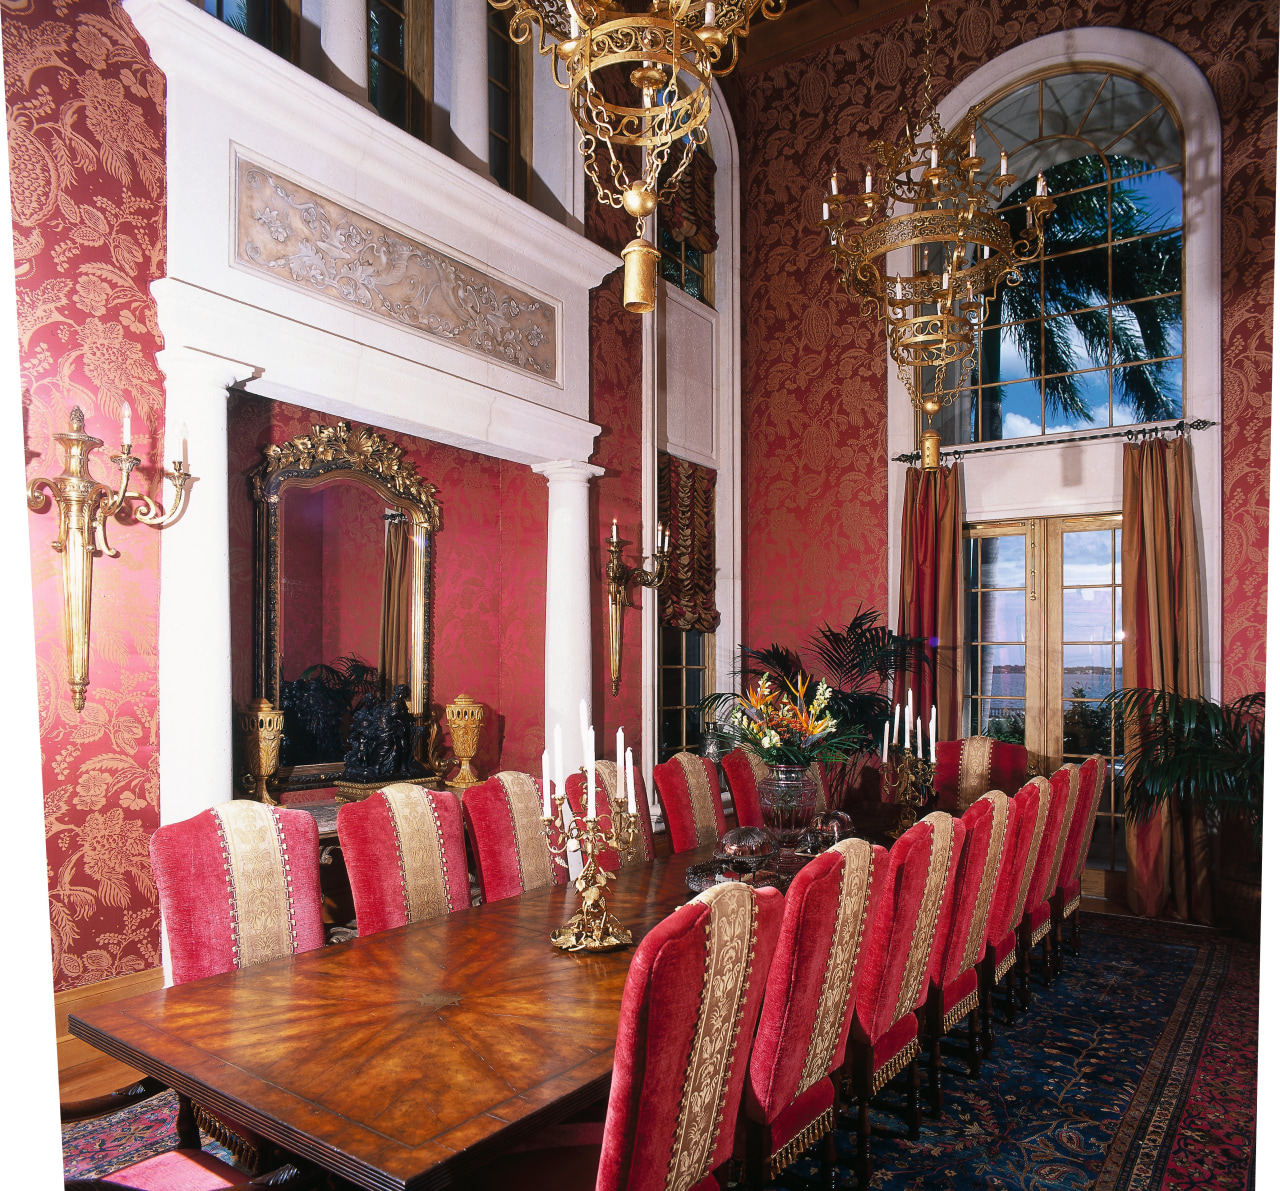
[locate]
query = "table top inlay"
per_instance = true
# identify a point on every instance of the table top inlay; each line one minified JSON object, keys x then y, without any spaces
{"x":408,"y":1058}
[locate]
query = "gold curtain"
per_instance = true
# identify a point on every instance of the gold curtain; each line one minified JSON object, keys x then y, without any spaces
{"x":931,"y":599}
{"x":687,"y":506}
{"x":397,"y":604}
{"x":1168,"y":856}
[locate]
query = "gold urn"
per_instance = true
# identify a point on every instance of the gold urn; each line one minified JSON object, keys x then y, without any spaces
{"x":465,"y":716}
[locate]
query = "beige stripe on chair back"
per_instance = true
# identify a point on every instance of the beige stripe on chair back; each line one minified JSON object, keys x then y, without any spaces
{"x":254,"y":855}
{"x":422,"y":864}
{"x":700,"y":795}
{"x":532,"y":852}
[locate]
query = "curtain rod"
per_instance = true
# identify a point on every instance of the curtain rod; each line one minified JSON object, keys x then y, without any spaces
{"x":1133,"y":434}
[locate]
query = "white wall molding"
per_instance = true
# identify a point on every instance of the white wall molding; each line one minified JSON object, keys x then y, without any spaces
{"x":1058,"y":478}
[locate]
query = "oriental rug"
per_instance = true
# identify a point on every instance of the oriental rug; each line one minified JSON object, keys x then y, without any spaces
{"x":1136,"y":1071}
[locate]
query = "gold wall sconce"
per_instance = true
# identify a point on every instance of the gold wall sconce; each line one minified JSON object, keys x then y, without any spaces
{"x":83,"y":508}
{"x":619,"y":576}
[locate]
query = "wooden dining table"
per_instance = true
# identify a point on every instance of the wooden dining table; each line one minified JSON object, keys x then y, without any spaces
{"x":409,"y":1058}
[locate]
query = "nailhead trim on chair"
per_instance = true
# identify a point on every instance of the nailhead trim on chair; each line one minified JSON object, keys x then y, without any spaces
{"x":963,"y":1009}
{"x":801,"y":1142}
{"x":894,"y":1065}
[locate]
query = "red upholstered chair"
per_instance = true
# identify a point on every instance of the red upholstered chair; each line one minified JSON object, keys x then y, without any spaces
{"x":405,"y":856}
{"x":1065,"y":902}
{"x":789,"y":1101}
{"x":689,"y":791}
{"x":208,"y":869}
{"x":504,"y":821}
{"x":191,"y":1169}
{"x":743,"y":770}
{"x":690,"y":1004}
{"x":575,"y":788}
{"x":1017,"y":865}
{"x":953,"y":983}
{"x":966,"y":769}
{"x":1037,"y":923}
{"x":898,"y":952}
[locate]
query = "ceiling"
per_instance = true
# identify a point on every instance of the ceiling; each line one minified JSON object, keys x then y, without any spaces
{"x":808,"y":25}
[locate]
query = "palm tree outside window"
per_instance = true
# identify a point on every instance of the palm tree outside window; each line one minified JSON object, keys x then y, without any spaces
{"x":1091,"y":336}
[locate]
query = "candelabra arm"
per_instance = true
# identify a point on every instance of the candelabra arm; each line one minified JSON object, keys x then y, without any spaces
{"x":618,"y":575}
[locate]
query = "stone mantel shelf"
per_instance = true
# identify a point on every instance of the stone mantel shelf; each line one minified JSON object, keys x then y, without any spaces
{"x":188,"y":44}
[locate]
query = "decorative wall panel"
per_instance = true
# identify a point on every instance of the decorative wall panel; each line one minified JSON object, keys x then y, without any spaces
{"x":85,"y":110}
{"x":288,"y":232}
{"x":814,"y":385}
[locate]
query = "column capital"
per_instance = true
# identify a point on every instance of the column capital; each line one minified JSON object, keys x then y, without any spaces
{"x":567,"y":471}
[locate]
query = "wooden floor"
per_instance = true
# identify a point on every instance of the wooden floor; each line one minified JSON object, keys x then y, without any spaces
{"x":94,"y":1078}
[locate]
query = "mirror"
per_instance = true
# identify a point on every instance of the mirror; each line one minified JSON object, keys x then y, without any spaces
{"x":342,"y":589}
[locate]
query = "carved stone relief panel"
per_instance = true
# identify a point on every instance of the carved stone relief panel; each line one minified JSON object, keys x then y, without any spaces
{"x":298,"y":237}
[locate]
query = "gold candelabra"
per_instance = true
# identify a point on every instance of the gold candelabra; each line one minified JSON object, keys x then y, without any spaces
{"x":619,"y":575}
{"x":592,"y":928}
{"x":912,"y":782}
{"x":83,"y":508}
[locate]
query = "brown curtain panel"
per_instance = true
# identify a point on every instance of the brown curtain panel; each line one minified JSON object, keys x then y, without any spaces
{"x":397,"y":605}
{"x":687,"y":506}
{"x":931,"y":600}
{"x":1168,"y":854}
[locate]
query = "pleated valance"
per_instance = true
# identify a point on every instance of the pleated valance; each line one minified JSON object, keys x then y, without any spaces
{"x":687,"y":505}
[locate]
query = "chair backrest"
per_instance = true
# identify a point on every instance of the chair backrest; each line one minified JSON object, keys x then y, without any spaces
{"x":966,"y":769}
{"x":899,"y":949}
{"x":1062,"y":787}
{"x":964,"y":929}
{"x":405,"y":856}
{"x":744,"y":771}
{"x":1093,"y":777}
{"x":689,"y":790}
{"x":239,"y":885}
{"x":1031,"y":805}
{"x":691,"y":1001}
{"x":575,"y":789}
{"x":505,"y":824}
{"x":809,"y":997}
{"x":1065,"y":785}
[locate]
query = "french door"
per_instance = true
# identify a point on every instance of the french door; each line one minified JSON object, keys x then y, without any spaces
{"x":1044,"y":631}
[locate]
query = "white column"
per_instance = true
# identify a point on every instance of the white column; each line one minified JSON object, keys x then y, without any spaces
{"x":567,"y":678}
{"x":469,"y":85}
{"x":344,"y":43}
{"x":195,"y":599}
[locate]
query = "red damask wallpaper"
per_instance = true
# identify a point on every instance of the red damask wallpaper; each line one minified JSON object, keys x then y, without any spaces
{"x":85,"y":111}
{"x":814,"y":386}
{"x":489,"y":577}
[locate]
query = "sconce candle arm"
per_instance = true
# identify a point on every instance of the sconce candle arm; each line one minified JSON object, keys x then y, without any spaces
{"x":619,"y":575}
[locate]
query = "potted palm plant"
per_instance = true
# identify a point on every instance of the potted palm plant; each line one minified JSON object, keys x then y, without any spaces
{"x":1208,"y":757}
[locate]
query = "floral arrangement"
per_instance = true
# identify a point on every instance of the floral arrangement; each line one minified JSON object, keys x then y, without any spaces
{"x":785,"y":726}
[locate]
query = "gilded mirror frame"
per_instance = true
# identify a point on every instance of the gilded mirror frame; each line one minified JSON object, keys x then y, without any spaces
{"x":307,"y":461}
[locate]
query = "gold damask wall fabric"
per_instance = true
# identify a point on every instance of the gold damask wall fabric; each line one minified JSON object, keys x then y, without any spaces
{"x":85,"y":109}
{"x":814,"y":368}
{"x":687,"y":506}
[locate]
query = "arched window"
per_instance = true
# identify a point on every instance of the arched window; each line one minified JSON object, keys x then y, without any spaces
{"x":1091,"y":335}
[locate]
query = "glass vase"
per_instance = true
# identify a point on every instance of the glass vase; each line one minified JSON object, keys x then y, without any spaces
{"x":788,"y":799}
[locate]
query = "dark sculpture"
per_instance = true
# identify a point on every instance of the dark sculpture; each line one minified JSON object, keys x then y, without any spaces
{"x":383,"y":740}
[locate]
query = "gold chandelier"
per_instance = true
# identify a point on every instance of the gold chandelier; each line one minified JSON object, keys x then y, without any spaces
{"x":639,"y":88}
{"x":948,"y":213}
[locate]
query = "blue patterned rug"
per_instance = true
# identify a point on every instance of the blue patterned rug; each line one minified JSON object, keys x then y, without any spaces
{"x":1136,"y":1071}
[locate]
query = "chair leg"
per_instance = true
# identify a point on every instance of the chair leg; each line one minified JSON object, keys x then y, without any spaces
{"x":913,"y":1100}
{"x":185,"y":1126}
{"x":935,"y":1077}
{"x":754,"y":1158}
{"x":1011,"y":996}
{"x":829,"y":1160}
{"x":975,"y":1049}
{"x":1075,"y":932}
{"x":1024,"y":977}
{"x":862,"y":1165}
{"x":988,"y":1035}
{"x":1046,"y":960}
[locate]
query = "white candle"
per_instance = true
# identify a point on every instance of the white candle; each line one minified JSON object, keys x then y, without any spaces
{"x":631,"y":783}
{"x":946,"y":278}
{"x":933,"y":156}
{"x":1004,"y":163}
{"x":884,"y":751}
{"x":835,"y":184}
{"x":621,"y":758}
{"x":573,"y":25}
{"x":558,"y":756}
{"x":897,"y":711}
{"x":973,"y":145}
{"x":546,"y":786}
{"x":184,"y":444}
{"x":614,"y":536}
{"x":933,"y":735}
{"x":919,"y":738}
{"x":709,"y":17}
{"x":590,"y":746}
{"x":126,"y":425}
{"x":868,"y":181}
{"x":906,"y":723}
{"x":826,"y":212}
{"x":1040,"y":186}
